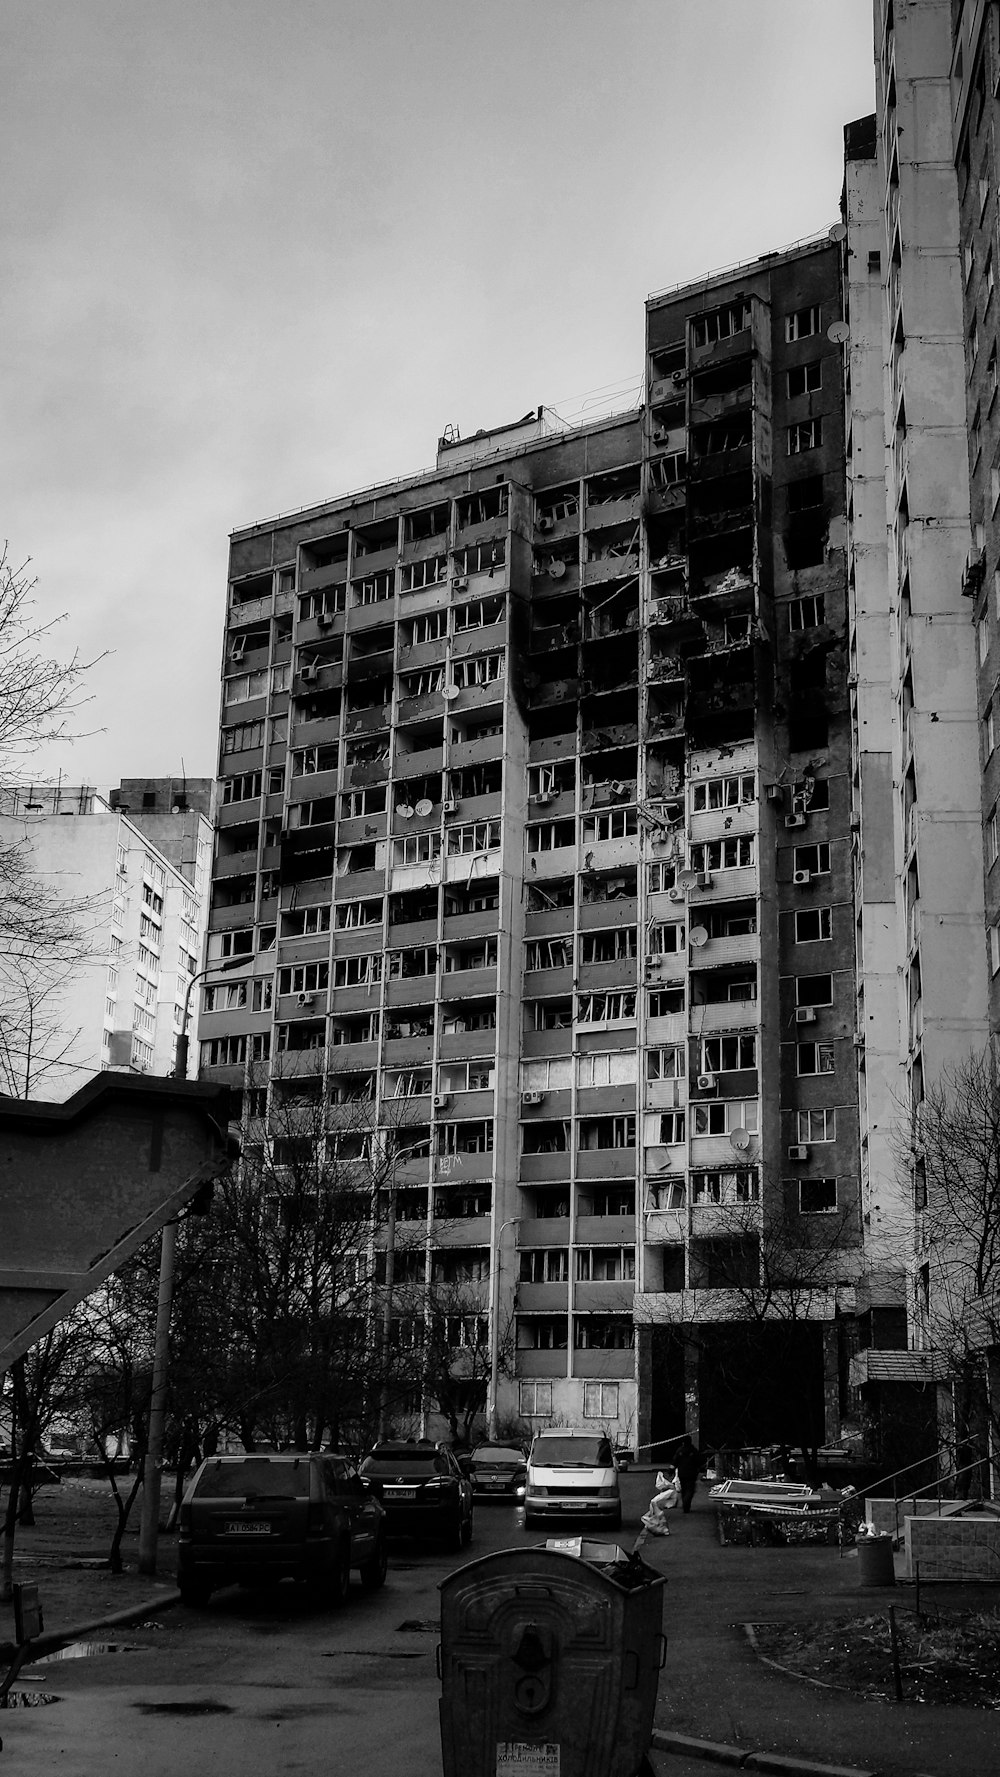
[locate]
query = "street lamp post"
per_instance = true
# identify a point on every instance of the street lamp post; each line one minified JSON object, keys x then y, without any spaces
{"x":491,"y":1416}
{"x":149,"y":1523}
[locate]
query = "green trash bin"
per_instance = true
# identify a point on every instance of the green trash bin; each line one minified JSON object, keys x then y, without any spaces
{"x":549,"y":1663}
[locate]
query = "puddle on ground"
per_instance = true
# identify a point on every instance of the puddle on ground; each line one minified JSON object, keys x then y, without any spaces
{"x":184,"y":1708}
{"x":28,"y":1699}
{"x":373,"y":1653}
{"x":418,"y":1626}
{"x":83,"y":1650}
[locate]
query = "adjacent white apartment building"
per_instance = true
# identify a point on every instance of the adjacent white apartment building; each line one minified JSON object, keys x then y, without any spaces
{"x":135,"y":866}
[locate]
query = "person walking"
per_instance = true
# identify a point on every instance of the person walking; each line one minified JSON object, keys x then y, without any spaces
{"x":687,"y":1463}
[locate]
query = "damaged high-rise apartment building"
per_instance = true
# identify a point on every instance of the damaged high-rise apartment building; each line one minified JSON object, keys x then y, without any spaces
{"x":536,"y":820}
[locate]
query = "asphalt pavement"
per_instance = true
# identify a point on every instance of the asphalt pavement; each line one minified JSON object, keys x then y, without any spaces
{"x":717,"y":1701}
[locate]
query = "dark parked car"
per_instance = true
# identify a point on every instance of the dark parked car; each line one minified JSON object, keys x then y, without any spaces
{"x":498,"y":1471}
{"x":254,"y":1520}
{"x":423,"y":1490}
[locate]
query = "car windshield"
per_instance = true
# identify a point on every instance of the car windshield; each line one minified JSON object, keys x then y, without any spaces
{"x":258,"y":1477}
{"x":405,"y":1462}
{"x":572,"y":1453}
{"x":496,"y":1455}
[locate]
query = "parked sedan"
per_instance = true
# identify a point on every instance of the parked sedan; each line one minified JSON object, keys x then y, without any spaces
{"x":498,"y":1471}
{"x":422,"y":1489}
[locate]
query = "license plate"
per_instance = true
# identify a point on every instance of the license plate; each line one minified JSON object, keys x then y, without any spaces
{"x":400,"y":1493}
{"x":494,"y":1483}
{"x":247,"y":1527}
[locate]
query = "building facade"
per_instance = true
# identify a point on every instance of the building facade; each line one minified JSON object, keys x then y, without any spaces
{"x":137,"y":866}
{"x":535,"y":820}
{"x":920,"y":219}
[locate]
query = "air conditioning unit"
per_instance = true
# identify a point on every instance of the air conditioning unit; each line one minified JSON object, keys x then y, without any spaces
{"x":325,"y":620}
{"x":805,"y":1014}
{"x":238,"y":648}
{"x":652,"y":967}
{"x":795,"y":820}
{"x":678,"y":377}
{"x":545,"y":522}
{"x":542,"y":798}
{"x":801,"y":878}
{"x":706,"y":1082}
{"x":705,"y":879}
{"x":798,"y":1151}
{"x":460,"y":582}
{"x":661,"y":435}
{"x":441,"y":1100}
{"x":309,"y":673}
{"x":675,"y":894}
{"x":532,"y":1097}
{"x":774,"y":793}
{"x":304,"y":999}
{"x":451,"y":806}
{"x":617,"y":788}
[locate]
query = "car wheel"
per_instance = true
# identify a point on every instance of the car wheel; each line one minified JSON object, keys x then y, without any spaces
{"x":465,"y":1533}
{"x":530,"y":1521}
{"x":340,"y":1578}
{"x":194,"y":1593}
{"x":375,"y":1568}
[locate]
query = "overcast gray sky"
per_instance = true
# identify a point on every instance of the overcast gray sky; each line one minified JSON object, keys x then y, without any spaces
{"x":261,"y":253}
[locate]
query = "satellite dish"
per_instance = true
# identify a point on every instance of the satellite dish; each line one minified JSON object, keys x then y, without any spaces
{"x":405,"y":812}
{"x":424,"y":806}
{"x":449,"y":692}
{"x":740,"y":1139}
{"x":687,"y":877}
{"x":838,"y":232}
{"x":838,"y":331}
{"x":698,"y":936}
{"x":557,"y":569}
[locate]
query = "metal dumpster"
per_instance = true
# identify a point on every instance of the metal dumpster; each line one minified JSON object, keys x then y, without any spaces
{"x":549,"y":1663}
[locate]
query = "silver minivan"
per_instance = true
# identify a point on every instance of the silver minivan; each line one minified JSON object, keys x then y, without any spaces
{"x":572,"y":1474}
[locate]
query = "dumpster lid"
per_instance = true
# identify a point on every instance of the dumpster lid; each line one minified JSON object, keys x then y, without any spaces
{"x":625,"y":1567}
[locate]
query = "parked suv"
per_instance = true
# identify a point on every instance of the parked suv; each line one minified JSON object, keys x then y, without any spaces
{"x":423,"y":1490}
{"x":572,"y":1474}
{"x":254,"y":1520}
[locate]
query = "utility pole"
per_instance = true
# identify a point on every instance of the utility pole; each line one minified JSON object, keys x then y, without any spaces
{"x":149,"y":1522}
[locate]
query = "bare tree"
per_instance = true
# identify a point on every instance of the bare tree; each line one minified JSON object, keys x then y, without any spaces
{"x":293,"y":1275}
{"x":951,"y":1154}
{"x":43,"y":934}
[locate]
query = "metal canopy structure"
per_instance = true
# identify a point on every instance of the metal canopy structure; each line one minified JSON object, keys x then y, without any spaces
{"x":84,"y":1183}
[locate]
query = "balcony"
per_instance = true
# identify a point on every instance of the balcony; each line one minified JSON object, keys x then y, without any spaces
{"x":542,"y":1298}
{"x":717,"y":952}
{"x":665,"y":1227}
{"x":539,"y":1168}
{"x":606,"y":1163}
{"x":603,"y":1364}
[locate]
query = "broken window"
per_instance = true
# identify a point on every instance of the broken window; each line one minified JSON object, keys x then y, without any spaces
{"x":805,"y":435}
{"x":805,"y":378}
{"x":802,"y":323}
{"x":721,"y":323}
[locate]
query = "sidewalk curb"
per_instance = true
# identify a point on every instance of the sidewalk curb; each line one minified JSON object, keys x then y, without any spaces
{"x":745,"y":1759}
{"x":53,"y":1639}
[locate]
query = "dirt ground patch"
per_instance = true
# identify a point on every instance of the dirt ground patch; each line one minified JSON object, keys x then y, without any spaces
{"x":945,"y":1656}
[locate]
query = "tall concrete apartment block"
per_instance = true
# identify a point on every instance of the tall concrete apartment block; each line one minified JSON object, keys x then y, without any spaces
{"x":920,"y":215}
{"x":536,"y":819}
